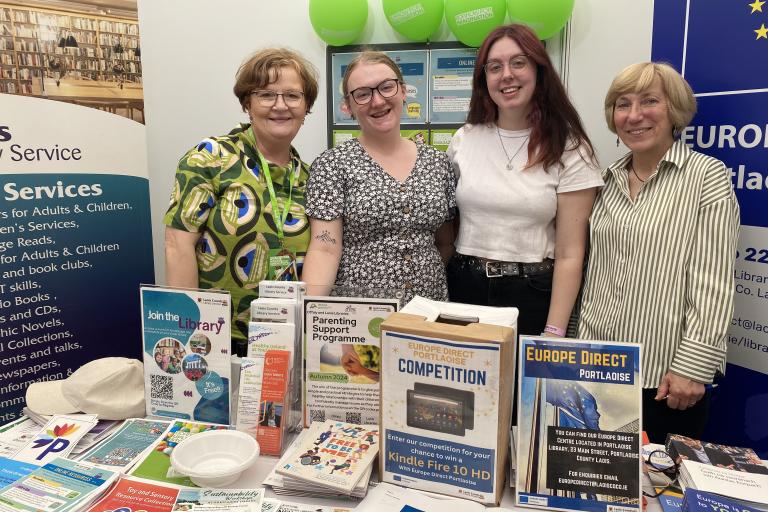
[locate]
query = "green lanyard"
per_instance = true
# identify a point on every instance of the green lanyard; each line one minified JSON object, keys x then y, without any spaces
{"x":279,"y":216}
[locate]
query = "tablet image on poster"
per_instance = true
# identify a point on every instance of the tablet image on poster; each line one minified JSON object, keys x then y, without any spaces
{"x":186,"y":353}
{"x":579,"y":432}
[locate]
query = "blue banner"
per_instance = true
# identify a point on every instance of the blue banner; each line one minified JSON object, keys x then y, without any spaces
{"x":721,"y":49}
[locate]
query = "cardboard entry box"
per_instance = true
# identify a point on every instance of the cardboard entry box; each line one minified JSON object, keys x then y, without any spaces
{"x":446,"y":393}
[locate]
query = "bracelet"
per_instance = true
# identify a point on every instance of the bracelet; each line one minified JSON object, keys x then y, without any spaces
{"x":551,"y":329}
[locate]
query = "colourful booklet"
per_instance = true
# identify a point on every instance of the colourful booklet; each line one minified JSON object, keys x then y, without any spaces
{"x":59,"y":485}
{"x":333,"y":454}
{"x":56,"y":439}
{"x":274,"y":408}
{"x":123,"y":449}
{"x":156,"y":465}
{"x":127,"y":495}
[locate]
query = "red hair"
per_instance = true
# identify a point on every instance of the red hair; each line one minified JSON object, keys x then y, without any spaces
{"x":553,"y":119}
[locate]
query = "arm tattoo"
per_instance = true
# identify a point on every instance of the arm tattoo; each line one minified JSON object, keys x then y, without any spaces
{"x":326,"y":237}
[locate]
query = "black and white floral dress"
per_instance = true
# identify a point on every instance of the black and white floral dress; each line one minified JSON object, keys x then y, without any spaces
{"x":389,"y":226}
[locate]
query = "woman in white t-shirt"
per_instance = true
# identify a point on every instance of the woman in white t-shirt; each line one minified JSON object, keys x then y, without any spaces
{"x":527,"y":179}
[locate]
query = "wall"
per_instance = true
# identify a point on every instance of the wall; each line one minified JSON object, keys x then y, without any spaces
{"x":191,"y":51}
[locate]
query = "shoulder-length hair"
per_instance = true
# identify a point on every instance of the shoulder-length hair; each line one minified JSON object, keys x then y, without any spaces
{"x":553,"y":119}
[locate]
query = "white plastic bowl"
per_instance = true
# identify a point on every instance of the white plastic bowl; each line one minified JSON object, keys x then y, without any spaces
{"x":215,"y":458}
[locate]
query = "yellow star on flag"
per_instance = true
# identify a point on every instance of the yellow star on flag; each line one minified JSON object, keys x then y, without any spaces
{"x":757,"y":6}
{"x":762,"y":32}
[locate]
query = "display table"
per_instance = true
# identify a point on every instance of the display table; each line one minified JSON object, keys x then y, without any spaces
{"x":258,"y":472}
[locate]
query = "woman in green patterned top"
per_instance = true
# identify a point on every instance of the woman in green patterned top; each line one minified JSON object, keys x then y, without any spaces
{"x":237,"y":207}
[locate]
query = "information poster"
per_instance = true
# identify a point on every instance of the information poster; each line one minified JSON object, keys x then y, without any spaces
{"x":578,"y":424}
{"x":416,"y":135}
{"x":413,"y":64}
{"x":75,"y":240}
{"x":187,"y":367}
{"x":451,"y":89}
{"x":342,"y":358}
{"x":441,"y":138}
{"x":731,"y":124}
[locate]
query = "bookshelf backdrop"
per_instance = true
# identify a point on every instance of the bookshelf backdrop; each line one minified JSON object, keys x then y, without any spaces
{"x":37,"y":43}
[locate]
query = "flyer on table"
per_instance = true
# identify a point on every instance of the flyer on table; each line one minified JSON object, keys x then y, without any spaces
{"x":579,"y":433}
{"x":342,"y":358}
{"x":187,"y":338}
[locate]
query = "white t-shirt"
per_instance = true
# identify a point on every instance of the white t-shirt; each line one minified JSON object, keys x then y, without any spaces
{"x":510,"y":215}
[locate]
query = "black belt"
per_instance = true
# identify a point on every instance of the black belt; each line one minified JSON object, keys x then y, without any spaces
{"x":493,"y":268}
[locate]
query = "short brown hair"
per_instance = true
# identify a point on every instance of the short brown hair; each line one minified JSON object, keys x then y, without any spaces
{"x":263,"y":68}
{"x":635,"y":78}
{"x":370,"y":57}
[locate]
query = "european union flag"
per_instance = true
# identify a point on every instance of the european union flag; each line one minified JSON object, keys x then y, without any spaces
{"x":711,"y":59}
{"x":574,"y":401}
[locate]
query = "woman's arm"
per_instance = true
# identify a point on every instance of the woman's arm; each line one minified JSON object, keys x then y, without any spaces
{"x":444,"y":239}
{"x":322,"y":260}
{"x":180,"y":258}
{"x":573,"y":211}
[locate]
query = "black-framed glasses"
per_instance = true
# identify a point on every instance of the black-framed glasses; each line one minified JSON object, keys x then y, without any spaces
{"x":267,"y":98}
{"x":386,"y":88}
{"x":516,"y":63}
{"x":659,"y":461}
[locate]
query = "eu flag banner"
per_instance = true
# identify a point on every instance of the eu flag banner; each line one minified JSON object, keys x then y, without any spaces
{"x":576,"y":401}
{"x":721,"y":47}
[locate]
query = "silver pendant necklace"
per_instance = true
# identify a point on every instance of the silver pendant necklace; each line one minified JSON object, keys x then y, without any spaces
{"x":510,"y":166}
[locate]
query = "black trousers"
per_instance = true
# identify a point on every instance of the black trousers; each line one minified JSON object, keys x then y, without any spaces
{"x":660,"y":420}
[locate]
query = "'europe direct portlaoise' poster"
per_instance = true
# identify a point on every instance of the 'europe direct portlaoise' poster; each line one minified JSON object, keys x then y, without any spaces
{"x":579,"y":425}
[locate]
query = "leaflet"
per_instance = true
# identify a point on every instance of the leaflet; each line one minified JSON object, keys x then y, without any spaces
{"x":578,"y":438}
{"x":342,"y":358}
{"x":123,"y":449}
{"x":127,"y":495}
{"x":187,"y":344}
{"x":219,"y":500}
{"x":56,"y":439}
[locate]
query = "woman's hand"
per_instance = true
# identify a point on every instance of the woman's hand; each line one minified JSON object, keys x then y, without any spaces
{"x":323,"y":255}
{"x":680,"y":392}
{"x":180,"y":258}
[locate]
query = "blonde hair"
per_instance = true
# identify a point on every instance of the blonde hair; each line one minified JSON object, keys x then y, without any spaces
{"x":370,"y":57}
{"x":636,"y":78}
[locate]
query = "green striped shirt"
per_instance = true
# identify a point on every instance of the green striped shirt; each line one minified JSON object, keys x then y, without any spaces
{"x":661,"y":267}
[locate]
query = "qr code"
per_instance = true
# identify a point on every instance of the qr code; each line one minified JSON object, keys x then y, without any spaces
{"x":315,"y":415}
{"x":354,"y":417}
{"x":161,"y":387}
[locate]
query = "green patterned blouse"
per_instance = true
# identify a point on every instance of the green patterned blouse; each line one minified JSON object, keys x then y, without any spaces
{"x":220,"y":191}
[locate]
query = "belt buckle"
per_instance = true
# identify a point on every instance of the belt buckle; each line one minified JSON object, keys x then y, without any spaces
{"x":492,"y":269}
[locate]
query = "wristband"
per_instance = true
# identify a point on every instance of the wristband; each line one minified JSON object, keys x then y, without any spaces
{"x":551,"y":329}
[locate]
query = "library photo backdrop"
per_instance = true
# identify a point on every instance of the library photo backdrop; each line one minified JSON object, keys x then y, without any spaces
{"x":78,"y":52}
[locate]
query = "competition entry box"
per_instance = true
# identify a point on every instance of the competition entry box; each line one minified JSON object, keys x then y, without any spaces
{"x":446,"y":393}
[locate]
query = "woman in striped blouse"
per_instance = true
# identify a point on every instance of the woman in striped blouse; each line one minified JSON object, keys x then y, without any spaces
{"x":663,"y":242}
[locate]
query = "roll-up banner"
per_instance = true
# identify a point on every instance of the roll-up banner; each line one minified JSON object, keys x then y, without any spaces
{"x":75,"y":240}
{"x":721,"y":49}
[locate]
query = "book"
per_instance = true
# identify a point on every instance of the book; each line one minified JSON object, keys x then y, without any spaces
{"x":682,"y":448}
{"x":578,"y":440}
{"x":292,"y":487}
{"x":128,"y":494}
{"x":11,"y":470}
{"x":342,"y":358}
{"x":187,"y":345}
{"x":56,"y":439}
{"x":124,"y":448}
{"x":748,"y":488}
{"x":333,"y":454}
{"x":61,"y":485}
{"x":219,"y":500}
{"x":701,"y":501}
{"x":156,"y":463}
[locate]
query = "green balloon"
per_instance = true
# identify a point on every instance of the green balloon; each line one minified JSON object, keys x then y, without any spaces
{"x":545,"y":17}
{"x":414,"y":19}
{"x":472,"y":20}
{"x":338,"y":22}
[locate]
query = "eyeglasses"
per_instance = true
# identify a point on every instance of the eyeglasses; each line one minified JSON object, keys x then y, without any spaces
{"x":387,"y":89}
{"x":644,"y":104}
{"x":659,"y":461}
{"x":516,"y":63}
{"x":267,"y":98}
